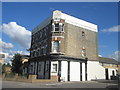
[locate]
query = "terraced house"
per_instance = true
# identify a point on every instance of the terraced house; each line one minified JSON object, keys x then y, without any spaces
{"x":111,"y":67}
{"x":66,"y":48}
{"x":2,"y":59}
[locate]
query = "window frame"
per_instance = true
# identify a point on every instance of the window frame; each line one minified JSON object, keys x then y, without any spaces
{"x":83,"y":34}
{"x":57,"y":27}
{"x":54,"y":69}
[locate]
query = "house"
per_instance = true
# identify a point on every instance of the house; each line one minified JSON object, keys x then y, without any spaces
{"x":110,"y":65}
{"x":7,"y":69}
{"x":2,"y":58}
{"x":65,"y":47}
{"x":119,"y":68}
{"x":25,"y":63}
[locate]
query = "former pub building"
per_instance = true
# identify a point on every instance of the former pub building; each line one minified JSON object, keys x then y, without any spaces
{"x":66,"y":48}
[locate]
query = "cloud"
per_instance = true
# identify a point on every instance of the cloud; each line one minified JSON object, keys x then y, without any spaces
{"x":10,"y":53}
{"x":116,"y":55}
{"x":100,"y":55}
{"x":6,"y":48}
{"x":18,"y":34}
{"x":5,"y":45}
{"x":112,"y":29}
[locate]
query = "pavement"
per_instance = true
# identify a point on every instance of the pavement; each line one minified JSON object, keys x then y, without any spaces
{"x":83,"y":84}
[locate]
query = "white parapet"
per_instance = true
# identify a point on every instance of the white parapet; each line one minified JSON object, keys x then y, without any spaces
{"x":57,"y":15}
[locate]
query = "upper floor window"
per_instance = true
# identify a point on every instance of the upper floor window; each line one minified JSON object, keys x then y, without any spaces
{"x":57,"y":27}
{"x":45,"y":31}
{"x":83,"y":34}
{"x":39,"y":34}
{"x":55,"y":46}
{"x":83,"y":52}
{"x":62,"y":27}
{"x":41,"y":51}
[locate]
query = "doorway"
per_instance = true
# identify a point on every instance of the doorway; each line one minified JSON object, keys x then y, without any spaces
{"x":106,"y":73}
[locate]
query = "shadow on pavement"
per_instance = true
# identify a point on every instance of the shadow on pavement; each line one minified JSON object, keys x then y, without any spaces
{"x":110,"y":87}
{"x":107,"y":81}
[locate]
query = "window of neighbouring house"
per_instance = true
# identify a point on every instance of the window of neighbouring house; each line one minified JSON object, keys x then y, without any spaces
{"x":63,"y":27}
{"x":107,"y":64}
{"x":56,"y":27}
{"x":101,"y":64}
{"x":54,"y":67}
{"x":41,"y":51}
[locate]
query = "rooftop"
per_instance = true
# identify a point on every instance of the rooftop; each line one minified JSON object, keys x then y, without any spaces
{"x":107,"y":60}
{"x":2,"y":55}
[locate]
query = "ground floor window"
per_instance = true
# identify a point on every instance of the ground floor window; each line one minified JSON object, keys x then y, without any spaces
{"x":54,"y":67}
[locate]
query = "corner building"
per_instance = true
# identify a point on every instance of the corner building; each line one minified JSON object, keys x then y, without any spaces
{"x":64,"y":47}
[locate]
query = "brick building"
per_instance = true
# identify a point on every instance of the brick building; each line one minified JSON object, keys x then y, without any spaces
{"x":65,"y":47}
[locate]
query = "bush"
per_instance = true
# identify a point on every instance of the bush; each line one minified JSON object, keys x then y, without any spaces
{"x":24,"y":76}
{"x":10,"y":75}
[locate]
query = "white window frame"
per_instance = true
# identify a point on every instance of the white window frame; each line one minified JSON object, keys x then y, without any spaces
{"x":54,"y":69}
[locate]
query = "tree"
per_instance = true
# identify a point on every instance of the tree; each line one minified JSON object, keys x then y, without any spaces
{"x":4,"y":67}
{"x":17,"y":63}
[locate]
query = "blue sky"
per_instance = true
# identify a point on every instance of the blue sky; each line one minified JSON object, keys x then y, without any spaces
{"x":29,"y":15}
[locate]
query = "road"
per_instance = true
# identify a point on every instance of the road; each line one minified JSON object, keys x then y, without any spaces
{"x":83,"y":84}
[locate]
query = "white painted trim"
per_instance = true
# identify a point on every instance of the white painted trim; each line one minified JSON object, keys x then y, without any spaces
{"x":57,"y":36}
{"x":74,"y":21}
{"x":60,"y":23}
{"x":78,"y":22}
{"x":52,"y":72}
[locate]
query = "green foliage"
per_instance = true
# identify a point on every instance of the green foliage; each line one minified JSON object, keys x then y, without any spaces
{"x":10,"y":75}
{"x":24,"y":76}
{"x":17,"y":63}
{"x":3,"y":68}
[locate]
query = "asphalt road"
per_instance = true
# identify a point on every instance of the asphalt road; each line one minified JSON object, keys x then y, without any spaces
{"x":83,"y":84}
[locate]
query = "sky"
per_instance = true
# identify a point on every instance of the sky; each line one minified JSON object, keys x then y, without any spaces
{"x":18,"y":20}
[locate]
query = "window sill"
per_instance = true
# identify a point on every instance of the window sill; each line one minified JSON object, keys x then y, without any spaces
{"x":57,"y":53}
{"x":58,"y":31}
{"x":54,"y":72}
